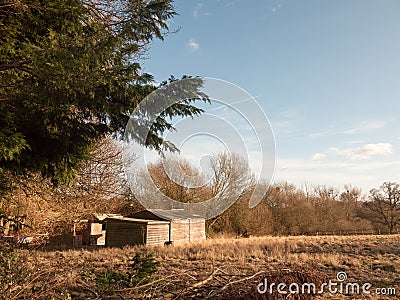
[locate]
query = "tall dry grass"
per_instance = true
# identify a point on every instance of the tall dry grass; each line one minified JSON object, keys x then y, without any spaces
{"x":73,"y":272}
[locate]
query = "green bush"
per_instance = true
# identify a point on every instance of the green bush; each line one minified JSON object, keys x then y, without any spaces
{"x":140,"y":270}
{"x":110,"y":279}
{"x":144,"y":265}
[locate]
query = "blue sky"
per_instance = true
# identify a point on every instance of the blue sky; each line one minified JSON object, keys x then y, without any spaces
{"x":326,"y":73}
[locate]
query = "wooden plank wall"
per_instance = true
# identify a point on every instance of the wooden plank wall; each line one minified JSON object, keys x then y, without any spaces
{"x":187,"y":230}
{"x":120,"y":233}
{"x":180,"y":231}
{"x":197,"y":230}
{"x":157,"y":234}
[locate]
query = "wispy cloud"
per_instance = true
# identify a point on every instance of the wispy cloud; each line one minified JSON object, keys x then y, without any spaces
{"x":193,"y":45}
{"x":229,"y":105}
{"x":276,"y":7}
{"x":286,"y":123}
{"x":197,"y":8}
{"x":357,"y":128}
{"x":228,"y":3}
{"x":364,"y":152}
{"x":289,"y":113}
{"x":283,"y":126}
{"x":366,"y":126}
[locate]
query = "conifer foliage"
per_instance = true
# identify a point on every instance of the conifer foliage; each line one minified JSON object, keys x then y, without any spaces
{"x":70,"y":74}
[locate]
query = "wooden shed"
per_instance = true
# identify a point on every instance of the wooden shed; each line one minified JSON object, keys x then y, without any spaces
{"x":183,"y":226}
{"x":134,"y":231}
{"x":91,"y":231}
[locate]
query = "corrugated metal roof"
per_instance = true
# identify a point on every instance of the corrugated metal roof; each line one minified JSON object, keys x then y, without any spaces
{"x":173,"y":214}
{"x":138,"y":220}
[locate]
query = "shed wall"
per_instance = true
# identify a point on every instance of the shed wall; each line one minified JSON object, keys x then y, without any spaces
{"x":187,"y":230}
{"x":183,"y":229}
{"x":197,"y":229}
{"x":180,"y":231}
{"x":157,"y":234}
{"x":120,"y":233}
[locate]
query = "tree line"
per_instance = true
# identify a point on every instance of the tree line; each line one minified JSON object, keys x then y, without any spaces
{"x":286,"y":209}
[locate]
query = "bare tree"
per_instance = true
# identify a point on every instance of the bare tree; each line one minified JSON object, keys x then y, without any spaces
{"x":326,"y":192}
{"x":232,"y":181}
{"x":231,"y":175}
{"x":171,"y":177}
{"x":100,"y":188}
{"x":383,"y":206}
{"x":350,"y":199}
{"x":176,"y":178}
{"x":103,"y":174}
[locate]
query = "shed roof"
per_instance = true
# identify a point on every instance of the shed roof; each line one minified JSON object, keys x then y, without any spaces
{"x":102,"y":217}
{"x":127,"y":219}
{"x":170,"y":214}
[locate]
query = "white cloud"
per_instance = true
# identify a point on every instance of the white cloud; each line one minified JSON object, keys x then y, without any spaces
{"x":364,"y":152}
{"x":368,"y":150}
{"x":193,"y":45}
{"x":318,"y":156}
{"x":364,"y":174}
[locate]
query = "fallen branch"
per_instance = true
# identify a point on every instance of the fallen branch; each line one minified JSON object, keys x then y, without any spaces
{"x":88,"y":287}
{"x":209,"y":278}
{"x":29,"y":284}
{"x":234,"y":282}
{"x":198,"y":284}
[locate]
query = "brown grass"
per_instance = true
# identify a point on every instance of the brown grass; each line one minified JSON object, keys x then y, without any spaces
{"x":221,"y":268}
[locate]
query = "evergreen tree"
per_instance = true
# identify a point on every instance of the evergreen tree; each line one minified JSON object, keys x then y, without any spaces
{"x":70,"y":74}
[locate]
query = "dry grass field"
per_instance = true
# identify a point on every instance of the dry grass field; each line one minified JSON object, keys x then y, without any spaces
{"x":220,"y":268}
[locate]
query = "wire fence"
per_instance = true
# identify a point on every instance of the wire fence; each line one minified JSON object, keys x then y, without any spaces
{"x":355,"y":232}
